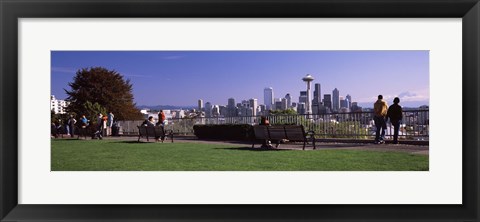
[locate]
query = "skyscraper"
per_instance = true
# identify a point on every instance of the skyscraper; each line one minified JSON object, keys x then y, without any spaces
{"x":289,"y":100}
{"x":349,"y":100}
{"x":200,"y":105}
{"x":303,"y":97}
{"x":253,"y":106}
{"x":343,"y":102}
{"x":336,"y":100}
{"x":327,"y":101}
{"x":317,"y":99}
{"x":284,"y":104}
{"x":208,"y":109}
{"x":317,"y":94}
{"x":231,"y":109}
{"x":278,"y":105}
{"x":268,"y":97}
{"x":301,"y":108}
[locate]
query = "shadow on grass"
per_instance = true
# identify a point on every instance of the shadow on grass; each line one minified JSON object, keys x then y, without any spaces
{"x":66,"y":139}
{"x":340,"y":145}
{"x":134,"y":142}
{"x":252,"y":149}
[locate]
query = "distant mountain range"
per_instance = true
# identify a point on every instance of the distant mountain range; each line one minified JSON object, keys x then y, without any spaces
{"x":165,"y":107}
{"x":363,"y":105}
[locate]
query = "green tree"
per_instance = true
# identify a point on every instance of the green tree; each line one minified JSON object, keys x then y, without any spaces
{"x":283,"y":112}
{"x":108,"y":89}
{"x":92,"y":110}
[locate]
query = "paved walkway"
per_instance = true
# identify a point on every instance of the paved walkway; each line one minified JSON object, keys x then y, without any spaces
{"x":413,"y":149}
{"x":322,"y":146}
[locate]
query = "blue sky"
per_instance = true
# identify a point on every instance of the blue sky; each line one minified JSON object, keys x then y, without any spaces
{"x":182,"y":77}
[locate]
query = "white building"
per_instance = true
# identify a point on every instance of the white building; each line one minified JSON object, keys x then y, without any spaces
{"x":268,"y":97}
{"x":58,"y":106}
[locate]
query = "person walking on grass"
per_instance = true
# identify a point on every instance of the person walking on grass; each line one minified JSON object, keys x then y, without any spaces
{"x":98,"y":133}
{"x":380,"y":112}
{"x":394,"y":113}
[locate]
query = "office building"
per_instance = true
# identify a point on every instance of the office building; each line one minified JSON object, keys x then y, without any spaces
{"x":231,"y":108}
{"x":268,"y":97}
{"x":284,"y":104}
{"x":208,"y":109}
{"x":335,"y":100}
{"x":301,"y":108}
{"x":289,"y":100}
{"x":327,"y":101}
{"x":253,"y":104}
{"x":349,"y":100}
{"x":317,"y":94}
{"x":58,"y":106}
{"x":278,"y":105}
{"x":303,"y":97}
{"x":200,"y":105}
{"x":343,"y":102}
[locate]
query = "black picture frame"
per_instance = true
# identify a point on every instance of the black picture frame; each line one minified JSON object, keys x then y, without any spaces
{"x":11,"y":11}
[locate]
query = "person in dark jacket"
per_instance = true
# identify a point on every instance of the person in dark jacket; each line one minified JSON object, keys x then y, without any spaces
{"x":264,"y":121}
{"x":394,"y":113}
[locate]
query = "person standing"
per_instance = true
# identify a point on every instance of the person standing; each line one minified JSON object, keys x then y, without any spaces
{"x":161,"y":122}
{"x":110,"y":123}
{"x":104,"y":125}
{"x":71,"y":125}
{"x":161,"y":118}
{"x":99,"y":131}
{"x":395,"y":114}
{"x":84,"y":121}
{"x":83,"y":126}
{"x":380,"y":112}
{"x":264,"y":121}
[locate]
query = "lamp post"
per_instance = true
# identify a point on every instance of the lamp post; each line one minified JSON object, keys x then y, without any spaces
{"x":308,"y":79}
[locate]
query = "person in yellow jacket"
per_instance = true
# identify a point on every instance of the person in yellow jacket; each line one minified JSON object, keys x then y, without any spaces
{"x":380,"y":109}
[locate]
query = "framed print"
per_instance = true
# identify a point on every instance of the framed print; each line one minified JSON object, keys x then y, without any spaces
{"x":50,"y":47}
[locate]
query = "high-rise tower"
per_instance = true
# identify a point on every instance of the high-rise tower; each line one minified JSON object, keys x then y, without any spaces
{"x":289,"y":100}
{"x":268,"y":97}
{"x":308,"y":106}
{"x":200,"y":105}
{"x":336,"y":100}
{"x":253,"y":106}
{"x":349,"y":100}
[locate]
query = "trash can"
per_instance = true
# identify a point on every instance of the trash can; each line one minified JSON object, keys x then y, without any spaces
{"x":115,"y":131}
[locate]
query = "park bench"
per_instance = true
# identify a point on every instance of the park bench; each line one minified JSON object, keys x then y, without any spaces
{"x":279,"y":133}
{"x":153,"y":131}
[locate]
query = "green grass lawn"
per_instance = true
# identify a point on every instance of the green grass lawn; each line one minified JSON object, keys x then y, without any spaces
{"x":108,"y":155}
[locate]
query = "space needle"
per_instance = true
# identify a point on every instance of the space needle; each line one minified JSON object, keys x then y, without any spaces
{"x":308,"y":79}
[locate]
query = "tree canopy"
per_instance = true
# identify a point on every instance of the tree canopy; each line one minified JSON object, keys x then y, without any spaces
{"x":100,"y":87}
{"x":283,"y":112}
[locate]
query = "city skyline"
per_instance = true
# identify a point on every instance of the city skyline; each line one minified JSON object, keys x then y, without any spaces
{"x":182,"y":77}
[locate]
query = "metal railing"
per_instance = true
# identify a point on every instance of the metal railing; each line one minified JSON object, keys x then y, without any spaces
{"x":354,"y":125}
